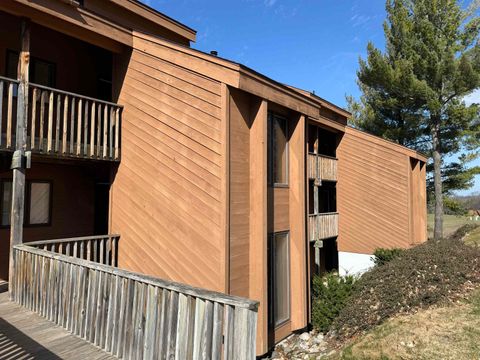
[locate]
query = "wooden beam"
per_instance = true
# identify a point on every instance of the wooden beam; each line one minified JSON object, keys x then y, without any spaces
{"x":258,"y":220}
{"x":18,"y":183}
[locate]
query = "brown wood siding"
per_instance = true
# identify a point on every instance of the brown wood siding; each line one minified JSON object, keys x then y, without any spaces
{"x":278,"y":209}
{"x":239,"y":193}
{"x":72,"y":206}
{"x":166,"y":198}
{"x":373,"y":195}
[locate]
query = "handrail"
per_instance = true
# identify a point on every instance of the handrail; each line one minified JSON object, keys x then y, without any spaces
{"x":324,"y":156}
{"x":3,"y":78}
{"x":69,"y":240}
{"x":63,"y":92}
{"x":147,"y":279}
{"x":324,"y":214}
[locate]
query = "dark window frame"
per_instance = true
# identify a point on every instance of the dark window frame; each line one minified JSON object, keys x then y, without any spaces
{"x":271,"y":118}
{"x":33,"y":60}
{"x":26,"y":214}
{"x":272,"y":281}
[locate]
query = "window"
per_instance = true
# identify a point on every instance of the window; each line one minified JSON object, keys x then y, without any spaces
{"x":38,"y":202}
{"x":279,"y":250}
{"x":278,"y":149}
{"x":39,"y":209}
{"x":6,"y":204}
{"x":41,"y":72}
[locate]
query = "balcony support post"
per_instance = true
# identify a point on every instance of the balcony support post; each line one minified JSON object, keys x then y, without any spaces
{"x":18,"y":183}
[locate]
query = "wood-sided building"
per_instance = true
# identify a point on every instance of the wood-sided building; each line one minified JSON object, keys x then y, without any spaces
{"x":213,"y":174}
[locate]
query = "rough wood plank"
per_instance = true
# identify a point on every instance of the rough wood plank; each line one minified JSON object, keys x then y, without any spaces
{"x":50,"y":123}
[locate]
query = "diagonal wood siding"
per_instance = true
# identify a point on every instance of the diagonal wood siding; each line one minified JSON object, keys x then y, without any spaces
{"x":167,"y":194}
{"x":373,"y":194}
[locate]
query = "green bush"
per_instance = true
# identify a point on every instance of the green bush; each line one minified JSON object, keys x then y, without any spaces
{"x":383,"y":256}
{"x":330,"y":294}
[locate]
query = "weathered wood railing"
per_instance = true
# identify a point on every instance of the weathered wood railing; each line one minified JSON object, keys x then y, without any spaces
{"x":102,"y":249}
{"x":322,"y":167}
{"x":62,"y":124}
{"x":130,"y":315}
{"x":322,"y":226}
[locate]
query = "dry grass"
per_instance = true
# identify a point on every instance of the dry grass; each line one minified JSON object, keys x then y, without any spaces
{"x":451,"y":332}
{"x":450,"y":223}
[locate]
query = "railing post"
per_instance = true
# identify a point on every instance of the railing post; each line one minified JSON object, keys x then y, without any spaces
{"x":18,"y":188}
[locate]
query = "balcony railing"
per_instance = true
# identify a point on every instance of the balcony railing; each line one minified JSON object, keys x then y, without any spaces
{"x":322,"y":226}
{"x":322,"y":167}
{"x":130,"y":315}
{"x":61,"y":123}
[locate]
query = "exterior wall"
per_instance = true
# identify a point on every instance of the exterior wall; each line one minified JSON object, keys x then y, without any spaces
{"x":76,"y":62}
{"x":72,"y":206}
{"x":353,"y":263}
{"x":257,"y":210}
{"x":167,"y":193}
{"x":376,"y":191}
{"x":240,"y":123}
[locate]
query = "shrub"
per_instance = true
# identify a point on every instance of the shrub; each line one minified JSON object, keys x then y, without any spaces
{"x":330,"y":294}
{"x":383,"y":256}
{"x":434,"y":272}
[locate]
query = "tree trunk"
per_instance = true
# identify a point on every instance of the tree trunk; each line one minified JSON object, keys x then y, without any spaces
{"x":437,"y":170}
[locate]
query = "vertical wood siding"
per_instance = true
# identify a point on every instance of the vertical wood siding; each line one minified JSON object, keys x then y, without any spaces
{"x":239,"y":193}
{"x":373,"y":195}
{"x":166,"y":197}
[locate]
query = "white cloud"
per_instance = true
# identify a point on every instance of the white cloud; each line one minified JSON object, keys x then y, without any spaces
{"x":269,"y":3}
{"x":473,"y":98}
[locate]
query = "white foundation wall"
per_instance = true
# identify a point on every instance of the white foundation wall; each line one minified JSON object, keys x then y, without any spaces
{"x":353,"y":263}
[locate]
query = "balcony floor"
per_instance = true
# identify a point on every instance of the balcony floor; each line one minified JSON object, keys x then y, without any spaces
{"x":26,"y":335}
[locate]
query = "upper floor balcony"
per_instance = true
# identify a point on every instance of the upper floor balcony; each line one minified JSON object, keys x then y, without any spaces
{"x":322,"y":167}
{"x":61,"y":124}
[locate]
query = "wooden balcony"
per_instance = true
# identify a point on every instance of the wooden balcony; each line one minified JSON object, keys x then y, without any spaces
{"x":75,"y":284}
{"x":322,"y":168}
{"x":322,"y":226}
{"x":61,"y":124}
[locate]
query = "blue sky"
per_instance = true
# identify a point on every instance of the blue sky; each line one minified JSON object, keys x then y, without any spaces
{"x":311,"y":44}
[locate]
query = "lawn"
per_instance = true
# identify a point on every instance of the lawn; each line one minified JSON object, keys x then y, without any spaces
{"x":450,"y":223}
{"x":451,"y":332}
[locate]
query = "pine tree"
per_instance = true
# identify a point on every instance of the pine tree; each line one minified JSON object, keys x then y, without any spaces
{"x":412,"y":93}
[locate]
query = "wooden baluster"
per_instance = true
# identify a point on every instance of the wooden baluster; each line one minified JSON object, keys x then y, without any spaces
{"x":99,"y":129}
{"x":72,"y":125}
{"x":1,"y":111}
{"x":117,"y":133}
{"x":42,"y":119}
{"x":114,"y":251}
{"x":82,"y":250}
{"x":85,"y":130}
{"x":102,"y":251}
{"x":60,"y":248}
{"x":110,"y":132}
{"x":50,"y":123}
{"x":65,"y":125}
{"x":34,"y":119}
{"x":105,"y":130}
{"x":9,"y":115}
{"x":57,"y":124}
{"x":67,"y":249}
{"x":79,"y":127}
{"x":89,"y":250}
{"x":75,"y":249}
{"x":95,"y":250}
{"x":92,"y":130}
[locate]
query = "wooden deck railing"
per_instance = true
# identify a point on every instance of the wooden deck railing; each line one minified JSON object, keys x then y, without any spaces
{"x":102,"y":249}
{"x":322,"y":226}
{"x":322,"y":167}
{"x":130,"y":315}
{"x":61,"y":123}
